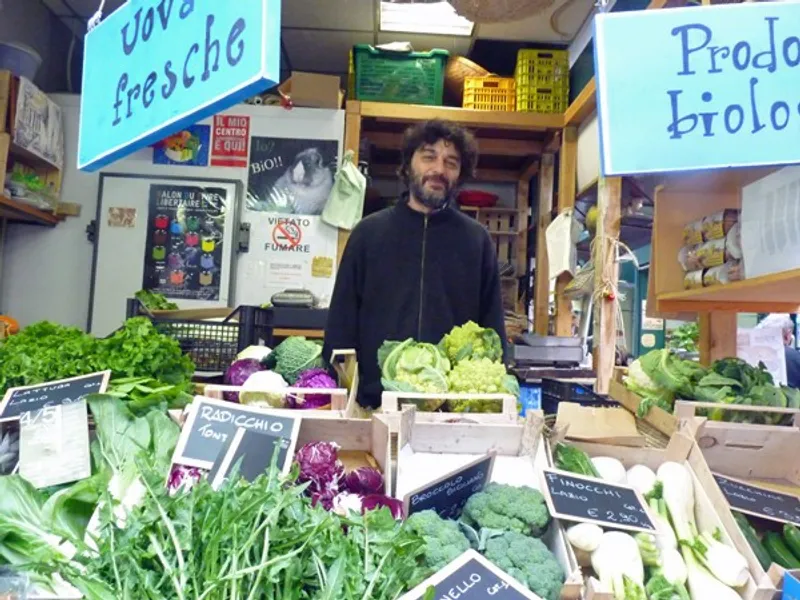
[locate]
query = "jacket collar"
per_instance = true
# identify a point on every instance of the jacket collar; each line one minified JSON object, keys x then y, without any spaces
{"x":437,"y":215}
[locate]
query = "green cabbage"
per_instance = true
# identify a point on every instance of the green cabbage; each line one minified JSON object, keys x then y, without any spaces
{"x":293,"y":356}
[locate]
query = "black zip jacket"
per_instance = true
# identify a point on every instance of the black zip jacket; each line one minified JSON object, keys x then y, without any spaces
{"x":407,"y":275}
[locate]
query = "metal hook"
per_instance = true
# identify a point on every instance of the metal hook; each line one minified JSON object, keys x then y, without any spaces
{"x":94,"y":21}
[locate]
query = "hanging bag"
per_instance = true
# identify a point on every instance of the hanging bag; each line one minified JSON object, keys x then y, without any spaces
{"x":346,"y":201}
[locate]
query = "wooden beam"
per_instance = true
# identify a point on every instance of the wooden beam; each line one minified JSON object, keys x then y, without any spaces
{"x":352,"y":141}
{"x":541,"y":294}
{"x":492,"y":175}
{"x":523,"y":205}
{"x":583,"y":107}
{"x":487,"y":146}
{"x":609,"y":203}
{"x":717,"y":336}
{"x":468,"y":118}
{"x":553,"y":144}
{"x":567,"y":182}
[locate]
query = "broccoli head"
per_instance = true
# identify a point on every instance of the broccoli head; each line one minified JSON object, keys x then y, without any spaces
{"x":444,"y":541}
{"x":528,"y":561}
{"x":500,"y":506}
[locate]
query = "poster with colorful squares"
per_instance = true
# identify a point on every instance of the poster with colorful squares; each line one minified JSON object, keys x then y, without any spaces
{"x":183,"y":253}
{"x":188,"y":148}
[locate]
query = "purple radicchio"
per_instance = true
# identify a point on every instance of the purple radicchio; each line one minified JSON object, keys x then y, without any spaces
{"x":238,"y":373}
{"x":364,"y":481}
{"x":320,"y":465}
{"x":182,"y":479}
{"x":325,"y":498}
{"x":346,"y":503}
{"x":314,"y":378}
{"x":376,"y":501}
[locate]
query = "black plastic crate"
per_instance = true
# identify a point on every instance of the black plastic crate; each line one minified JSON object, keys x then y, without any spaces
{"x":213,"y":345}
{"x":564,"y":390}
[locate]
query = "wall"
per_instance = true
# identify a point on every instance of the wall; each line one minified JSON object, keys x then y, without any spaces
{"x":47,"y":273}
{"x":30,"y":22}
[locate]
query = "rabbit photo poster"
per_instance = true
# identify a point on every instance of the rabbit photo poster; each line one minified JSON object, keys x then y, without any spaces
{"x":183,"y":252}
{"x":290,"y":176}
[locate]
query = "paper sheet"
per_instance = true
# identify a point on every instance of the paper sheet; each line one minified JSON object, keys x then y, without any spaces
{"x":562,"y":235}
{"x":763,"y":345}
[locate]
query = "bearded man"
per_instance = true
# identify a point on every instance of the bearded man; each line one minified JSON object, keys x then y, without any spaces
{"x":419,"y":268}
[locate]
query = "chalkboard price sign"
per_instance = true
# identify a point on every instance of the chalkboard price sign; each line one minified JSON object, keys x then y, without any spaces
{"x":213,"y":423}
{"x":253,"y":453}
{"x":760,"y":502}
{"x":471,"y":577}
{"x":448,"y":495}
{"x":585,"y":499}
{"x":20,"y":400}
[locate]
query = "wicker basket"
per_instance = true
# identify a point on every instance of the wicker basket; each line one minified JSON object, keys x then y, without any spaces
{"x":457,"y":70}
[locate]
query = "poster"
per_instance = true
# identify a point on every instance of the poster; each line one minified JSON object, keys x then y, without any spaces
{"x":288,"y":252}
{"x":183,"y":252}
{"x":290,"y":176}
{"x":188,"y":148}
{"x":231,"y":138}
{"x":763,"y":345}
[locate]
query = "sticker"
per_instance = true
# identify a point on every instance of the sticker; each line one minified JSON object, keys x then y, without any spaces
{"x":188,"y":148}
{"x":322,"y":266}
{"x":231,"y":139}
{"x":121,"y":217}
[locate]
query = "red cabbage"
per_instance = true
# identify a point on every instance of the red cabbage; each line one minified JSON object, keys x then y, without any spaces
{"x":364,"y":481}
{"x":320,"y":466}
{"x":375,"y":501}
{"x":314,"y":378}
{"x":238,"y":373}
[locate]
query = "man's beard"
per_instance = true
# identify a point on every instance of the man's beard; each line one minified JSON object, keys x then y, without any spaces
{"x":435,"y":200}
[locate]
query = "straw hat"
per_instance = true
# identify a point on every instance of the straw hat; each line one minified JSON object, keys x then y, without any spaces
{"x":499,"y":11}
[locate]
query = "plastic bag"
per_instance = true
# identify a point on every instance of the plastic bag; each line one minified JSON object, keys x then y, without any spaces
{"x":345,"y":204}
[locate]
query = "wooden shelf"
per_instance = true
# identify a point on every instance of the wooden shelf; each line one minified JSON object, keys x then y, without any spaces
{"x":493,"y":210}
{"x":20,"y":212}
{"x":583,"y":107}
{"x":778,"y":292}
{"x":471,"y":118}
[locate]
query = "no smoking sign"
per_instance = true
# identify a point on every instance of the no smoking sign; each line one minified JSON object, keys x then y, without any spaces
{"x":287,"y":235}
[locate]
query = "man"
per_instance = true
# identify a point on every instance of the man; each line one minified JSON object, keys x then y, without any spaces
{"x":784,"y":322}
{"x":419,"y":268}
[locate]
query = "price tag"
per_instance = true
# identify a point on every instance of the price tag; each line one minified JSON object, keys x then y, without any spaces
{"x":252,"y":452}
{"x":471,"y":577}
{"x":758,"y":501}
{"x":586,"y":499}
{"x":53,"y":393}
{"x":448,"y":494}
{"x":212,"y":424}
{"x":54,"y":444}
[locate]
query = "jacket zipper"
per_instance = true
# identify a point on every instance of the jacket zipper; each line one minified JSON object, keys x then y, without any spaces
{"x":422,"y":277}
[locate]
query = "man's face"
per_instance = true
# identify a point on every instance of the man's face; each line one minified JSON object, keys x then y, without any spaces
{"x":435,"y":169}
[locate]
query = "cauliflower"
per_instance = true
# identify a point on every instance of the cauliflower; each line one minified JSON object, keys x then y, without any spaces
{"x":444,"y":541}
{"x":471,"y":341}
{"x":529,"y":561}
{"x":293,"y":356}
{"x":500,"y":506}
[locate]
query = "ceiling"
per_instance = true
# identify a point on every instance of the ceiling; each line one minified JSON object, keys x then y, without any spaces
{"x":317,"y":34}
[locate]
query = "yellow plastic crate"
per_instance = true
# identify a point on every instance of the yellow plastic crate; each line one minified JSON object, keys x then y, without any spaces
{"x":490,"y":93}
{"x":542,"y":78}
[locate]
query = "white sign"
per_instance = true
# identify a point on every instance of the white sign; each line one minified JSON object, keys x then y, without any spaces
{"x":771,"y":223}
{"x":287,"y":252}
{"x":763,"y":345}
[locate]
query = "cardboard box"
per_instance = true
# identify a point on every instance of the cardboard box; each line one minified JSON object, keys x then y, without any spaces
{"x":312,"y":90}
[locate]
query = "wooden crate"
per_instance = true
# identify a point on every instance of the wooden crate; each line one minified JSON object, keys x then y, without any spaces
{"x":663,"y":421}
{"x":338,"y":396}
{"x":392,"y":404}
{"x":523,"y":440}
{"x":711,"y":508}
{"x":764,"y":456}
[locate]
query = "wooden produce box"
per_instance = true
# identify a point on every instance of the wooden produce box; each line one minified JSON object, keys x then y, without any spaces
{"x":761,"y":455}
{"x":520,"y":457}
{"x":392,"y":404}
{"x":711,"y":508}
{"x":338,"y":396}
{"x":663,"y":421}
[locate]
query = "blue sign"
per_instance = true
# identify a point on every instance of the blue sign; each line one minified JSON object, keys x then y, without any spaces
{"x":699,"y":87}
{"x":791,"y":587}
{"x":154,"y":67}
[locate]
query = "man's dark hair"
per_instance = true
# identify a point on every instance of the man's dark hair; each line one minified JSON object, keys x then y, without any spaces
{"x":431,"y":132}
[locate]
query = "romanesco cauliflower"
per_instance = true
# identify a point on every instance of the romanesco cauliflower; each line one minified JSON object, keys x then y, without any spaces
{"x":471,"y":341}
{"x":500,"y":506}
{"x":529,"y":561}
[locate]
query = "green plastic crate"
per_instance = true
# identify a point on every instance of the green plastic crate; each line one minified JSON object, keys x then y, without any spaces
{"x":407,"y":77}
